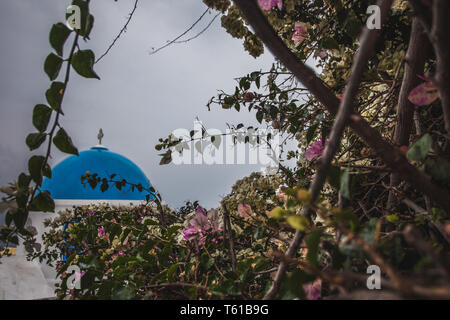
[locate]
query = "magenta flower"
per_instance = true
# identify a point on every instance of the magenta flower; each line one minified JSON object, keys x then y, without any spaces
{"x":313,"y":289}
{"x":245,"y":210}
{"x":190,"y":233}
{"x":269,"y":4}
{"x":202,"y":224}
{"x":78,"y":276}
{"x":425,"y":93}
{"x":91,"y":213}
{"x":101,"y":231}
{"x":314,"y":150}
{"x":248,"y":96}
{"x":201,"y":219}
{"x":300,"y":33}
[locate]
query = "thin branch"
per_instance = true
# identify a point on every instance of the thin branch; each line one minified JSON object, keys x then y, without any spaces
{"x":229,"y":235}
{"x":181,"y":35}
{"x":121,"y":31}
{"x":201,"y":32}
{"x":365,"y":52}
{"x":415,"y":63}
{"x":439,"y":38}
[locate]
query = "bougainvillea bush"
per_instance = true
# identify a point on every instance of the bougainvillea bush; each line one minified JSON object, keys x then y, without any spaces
{"x":364,"y":193}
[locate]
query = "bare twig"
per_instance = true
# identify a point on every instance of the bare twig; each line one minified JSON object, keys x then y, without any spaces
{"x":415,"y":62}
{"x":412,"y":235}
{"x":184,"y":33}
{"x":120,"y":33}
{"x":229,"y":235}
{"x":439,"y":38}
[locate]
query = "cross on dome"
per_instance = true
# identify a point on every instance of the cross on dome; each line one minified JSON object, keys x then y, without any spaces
{"x":100,"y":136}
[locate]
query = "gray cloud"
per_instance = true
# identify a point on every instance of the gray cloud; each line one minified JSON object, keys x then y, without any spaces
{"x":140,"y":97}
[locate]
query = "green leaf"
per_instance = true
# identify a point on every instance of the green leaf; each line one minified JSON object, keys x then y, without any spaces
{"x":298,"y":222}
{"x":23,"y":180}
{"x":54,"y":95}
{"x":330,"y":43}
{"x":167,"y":158}
{"x":83,"y":62}
{"x":35,"y":140}
{"x":334,"y":177}
{"x":392,"y":218}
{"x":297,"y":279}
{"x":124,"y":293}
{"x":420,"y":148}
{"x":41,"y":117}
{"x":35,"y":165}
{"x":20,"y":217}
{"x":64,"y":143}
{"x":347,"y":216}
{"x":52,"y":66}
{"x":311,"y":132}
{"x":259,"y":116}
{"x":312,"y":242}
{"x":345,"y":183}
{"x":43,"y":202}
{"x":439,"y":168}
{"x":58,"y":36}
{"x":171,"y":271}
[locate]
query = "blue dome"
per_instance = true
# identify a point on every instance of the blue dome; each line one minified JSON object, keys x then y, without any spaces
{"x":66,"y":177}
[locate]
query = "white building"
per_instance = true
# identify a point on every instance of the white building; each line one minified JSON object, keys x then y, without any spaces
{"x":22,"y":279}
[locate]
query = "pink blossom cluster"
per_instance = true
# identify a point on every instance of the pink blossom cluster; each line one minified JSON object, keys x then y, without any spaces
{"x":269,"y":4}
{"x":314,"y":150}
{"x":300,"y":33}
{"x":425,"y":93}
{"x":201,"y":225}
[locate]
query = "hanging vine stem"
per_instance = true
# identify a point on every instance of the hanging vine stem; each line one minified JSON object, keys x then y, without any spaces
{"x":51,"y":133}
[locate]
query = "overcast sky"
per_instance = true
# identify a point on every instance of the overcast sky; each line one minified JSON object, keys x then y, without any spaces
{"x":140,"y":97}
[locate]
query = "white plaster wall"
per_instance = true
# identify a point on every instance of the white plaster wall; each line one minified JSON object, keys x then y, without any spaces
{"x":24,"y":280}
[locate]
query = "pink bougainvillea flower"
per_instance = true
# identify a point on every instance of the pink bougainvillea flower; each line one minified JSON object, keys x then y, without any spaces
{"x":314,"y":150}
{"x":281,"y":195}
{"x":313,"y":289}
{"x":245,"y":210}
{"x":269,"y":4}
{"x":320,"y":53}
{"x":78,"y":276}
{"x":190,"y":232}
{"x":248,"y":96}
{"x":300,"y":33}
{"x":101,"y":231}
{"x":202,"y":224}
{"x":200,"y":220}
{"x":213,"y":221}
{"x":425,"y":93}
{"x":201,"y":210}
